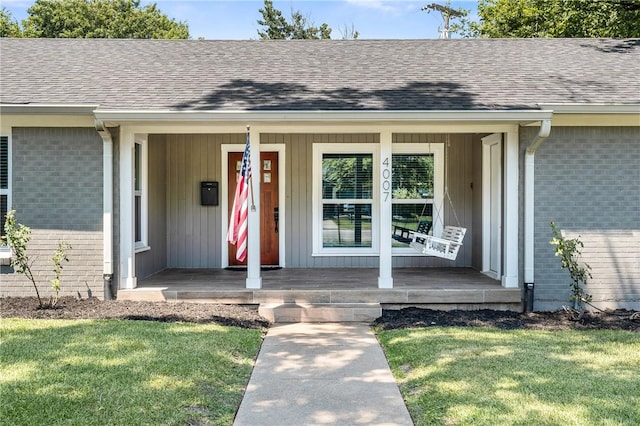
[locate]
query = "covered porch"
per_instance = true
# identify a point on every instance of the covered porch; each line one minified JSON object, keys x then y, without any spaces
{"x":437,"y":288}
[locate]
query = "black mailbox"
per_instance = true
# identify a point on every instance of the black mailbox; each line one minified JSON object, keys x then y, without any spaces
{"x":209,"y":193}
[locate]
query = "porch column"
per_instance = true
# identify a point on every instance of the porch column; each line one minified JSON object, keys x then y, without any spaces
{"x":385,"y":279}
{"x":511,"y":214}
{"x":254,"y":279}
{"x":127,"y":212}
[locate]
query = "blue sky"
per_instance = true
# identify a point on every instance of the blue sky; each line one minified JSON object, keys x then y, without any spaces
{"x":236,"y":20}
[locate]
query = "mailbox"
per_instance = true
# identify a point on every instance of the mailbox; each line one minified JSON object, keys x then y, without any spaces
{"x":209,"y":193}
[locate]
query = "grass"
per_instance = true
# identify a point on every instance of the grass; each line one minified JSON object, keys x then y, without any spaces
{"x":99,"y":372}
{"x":465,"y":376}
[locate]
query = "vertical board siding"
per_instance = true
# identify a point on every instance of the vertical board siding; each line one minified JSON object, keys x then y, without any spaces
{"x":459,"y":175}
{"x":588,"y":181}
{"x":155,"y":259}
{"x":193,"y":231}
{"x":299,"y":184}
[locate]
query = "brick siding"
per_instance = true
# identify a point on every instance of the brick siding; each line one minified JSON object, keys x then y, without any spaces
{"x":57,"y":192}
{"x":587,"y":180}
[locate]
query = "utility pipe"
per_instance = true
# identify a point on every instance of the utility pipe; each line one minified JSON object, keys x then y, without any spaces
{"x":529,"y":188}
{"x":107,"y":207}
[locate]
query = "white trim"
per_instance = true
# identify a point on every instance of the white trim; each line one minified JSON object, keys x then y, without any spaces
{"x":143,"y":243}
{"x":127,"y":245}
{"x":224,"y":191}
{"x":254,"y":277}
{"x":510,"y":230}
{"x":322,"y":116}
{"x":488,"y":144}
{"x":385,"y":276}
{"x":107,"y":197}
{"x":317,"y":201}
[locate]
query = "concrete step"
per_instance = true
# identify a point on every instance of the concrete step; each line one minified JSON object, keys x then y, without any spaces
{"x":320,"y":312}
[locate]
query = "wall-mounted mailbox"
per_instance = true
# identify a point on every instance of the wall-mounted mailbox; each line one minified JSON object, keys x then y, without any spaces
{"x":209,"y":193}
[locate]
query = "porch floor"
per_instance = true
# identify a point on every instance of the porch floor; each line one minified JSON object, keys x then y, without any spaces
{"x":437,"y":288}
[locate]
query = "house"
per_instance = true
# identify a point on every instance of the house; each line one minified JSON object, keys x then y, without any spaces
{"x":129,"y":150}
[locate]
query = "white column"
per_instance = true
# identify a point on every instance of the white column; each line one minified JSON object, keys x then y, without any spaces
{"x":385,"y":279}
{"x":127,"y":212}
{"x":511,"y":214}
{"x":254,"y":279}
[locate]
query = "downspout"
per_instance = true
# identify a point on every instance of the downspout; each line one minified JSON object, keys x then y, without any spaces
{"x":529,"y":188}
{"x":107,"y":207}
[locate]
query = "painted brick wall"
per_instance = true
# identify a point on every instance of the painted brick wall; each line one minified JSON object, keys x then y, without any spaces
{"x":57,"y":192}
{"x":588,"y":181}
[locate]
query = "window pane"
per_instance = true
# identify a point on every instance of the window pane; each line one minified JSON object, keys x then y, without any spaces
{"x":4,"y":162}
{"x":347,"y":176}
{"x":412,"y":176}
{"x":138,"y":219}
{"x":137,"y":165}
{"x":346,"y":225}
{"x":3,"y":212}
{"x":407,"y":217}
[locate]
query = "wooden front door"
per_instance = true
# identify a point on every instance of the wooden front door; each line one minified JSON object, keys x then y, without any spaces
{"x":267,"y":170}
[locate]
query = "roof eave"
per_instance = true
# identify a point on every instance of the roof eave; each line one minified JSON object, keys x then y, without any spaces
{"x":591,"y":108}
{"x":323,"y":116}
{"x":47,"y":109}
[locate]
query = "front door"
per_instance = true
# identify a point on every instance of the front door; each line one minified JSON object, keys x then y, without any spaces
{"x":269,"y":209}
{"x":492,"y":205}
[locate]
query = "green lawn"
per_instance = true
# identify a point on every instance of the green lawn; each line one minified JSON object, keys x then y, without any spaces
{"x":474,"y":376}
{"x":112,"y":372}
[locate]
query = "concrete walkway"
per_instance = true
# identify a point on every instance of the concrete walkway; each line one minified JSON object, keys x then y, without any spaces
{"x":315,"y":374}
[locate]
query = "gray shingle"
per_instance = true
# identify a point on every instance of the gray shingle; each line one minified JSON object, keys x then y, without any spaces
{"x":319,"y":75}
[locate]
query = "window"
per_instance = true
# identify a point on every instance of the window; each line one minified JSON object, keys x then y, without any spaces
{"x":140,"y":194}
{"x":344,"y":194}
{"x":416,"y":186}
{"x":5,"y":181}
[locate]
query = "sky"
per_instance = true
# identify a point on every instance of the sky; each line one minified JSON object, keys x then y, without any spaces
{"x":237,"y":20}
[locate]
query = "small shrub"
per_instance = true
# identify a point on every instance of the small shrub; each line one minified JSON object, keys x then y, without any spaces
{"x":17,"y":238}
{"x":569,"y":250}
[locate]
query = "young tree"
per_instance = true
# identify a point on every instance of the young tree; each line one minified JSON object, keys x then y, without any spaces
{"x":9,"y":27}
{"x":277,"y":27}
{"x":555,"y":18}
{"x":100,"y":19}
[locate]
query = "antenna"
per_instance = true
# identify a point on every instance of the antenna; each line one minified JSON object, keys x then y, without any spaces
{"x":446,"y":13}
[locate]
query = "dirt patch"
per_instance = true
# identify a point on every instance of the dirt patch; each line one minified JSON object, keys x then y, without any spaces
{"x":71,"y":308}
{"x":247,"y":317}
{"x":558,"y":320}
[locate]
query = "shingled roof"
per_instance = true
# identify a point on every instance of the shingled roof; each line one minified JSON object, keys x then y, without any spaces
{"x":348,"y":75}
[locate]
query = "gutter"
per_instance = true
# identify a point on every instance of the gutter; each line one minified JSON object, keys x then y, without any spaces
{"x":107,"y":207}
{"x":501,"y":116}
{"x":529,"y":188}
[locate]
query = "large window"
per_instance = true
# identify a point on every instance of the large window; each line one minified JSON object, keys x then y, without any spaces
{"x":345,"y":199}
{"x":417,"y":186}
{"x":4,"y":180}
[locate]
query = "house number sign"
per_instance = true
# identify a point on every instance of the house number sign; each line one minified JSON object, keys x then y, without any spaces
{"x":386,"y":179}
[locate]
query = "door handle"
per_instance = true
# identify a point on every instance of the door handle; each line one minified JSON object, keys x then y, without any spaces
{"x":276,"y":217}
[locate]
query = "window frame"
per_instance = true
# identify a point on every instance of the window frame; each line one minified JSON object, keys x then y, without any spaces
{"x":437,"y":149}
{"x":319,"y":150}
{"x":143,"y":192}
{"x":7,"y":191}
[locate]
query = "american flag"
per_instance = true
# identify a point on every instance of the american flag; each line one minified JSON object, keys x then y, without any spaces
{"x":238,"y":224}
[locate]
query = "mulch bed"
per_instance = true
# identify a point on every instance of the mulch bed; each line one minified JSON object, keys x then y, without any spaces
{"x":247,"y":317}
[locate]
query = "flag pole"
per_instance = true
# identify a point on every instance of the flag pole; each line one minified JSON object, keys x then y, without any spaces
{"x":253,"y":204}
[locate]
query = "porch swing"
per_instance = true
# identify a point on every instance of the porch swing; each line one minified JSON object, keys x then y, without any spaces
{"x":448,"y":244}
